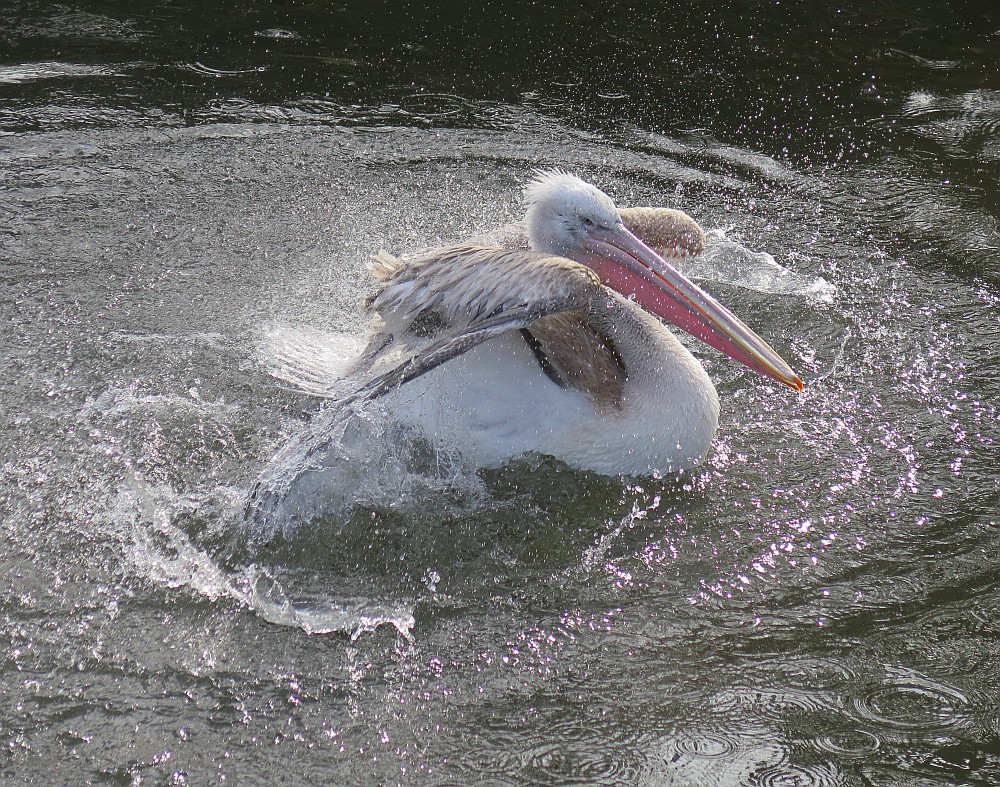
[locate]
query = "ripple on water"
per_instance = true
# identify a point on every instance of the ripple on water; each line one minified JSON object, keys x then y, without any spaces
{"x":25,"y":72}
{"x":540,"y":761}
{"x":438,"y":105}
{"x":716,"y":754}
{"x":488,"y":759}
{"x":791,"y":687}
{"x":911,"y":702}
{"x":797,"y":775}
{"x":708,"y":744}
{"x":807,"y":672}
{"x":557,"y":763}
{"x":774,"y":702}
{"x":849,"y":743}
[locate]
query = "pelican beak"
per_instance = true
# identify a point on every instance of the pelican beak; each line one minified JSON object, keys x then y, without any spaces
{"x":630,"y":267}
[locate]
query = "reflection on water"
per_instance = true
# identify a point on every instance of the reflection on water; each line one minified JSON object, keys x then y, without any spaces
{"x":816,"y":605}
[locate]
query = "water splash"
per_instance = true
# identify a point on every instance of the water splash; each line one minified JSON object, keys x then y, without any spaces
{"x":728,"y":261}
{"x":160,"y":551}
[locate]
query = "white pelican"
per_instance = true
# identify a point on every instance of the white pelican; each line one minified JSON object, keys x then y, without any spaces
{"x":542,"y":338}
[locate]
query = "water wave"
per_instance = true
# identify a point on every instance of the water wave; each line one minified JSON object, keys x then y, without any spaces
{"x":908,"y":701}
{"x":26,"y":72}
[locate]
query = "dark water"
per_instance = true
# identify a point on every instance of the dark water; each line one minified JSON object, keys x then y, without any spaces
{"x":818,"y":606}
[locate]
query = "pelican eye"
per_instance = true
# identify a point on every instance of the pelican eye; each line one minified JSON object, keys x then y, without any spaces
{"x":588,"y":222}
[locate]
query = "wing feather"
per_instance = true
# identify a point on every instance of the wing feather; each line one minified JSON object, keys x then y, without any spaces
{"x":463,"y":284}
{"x":671,"y":232}
{"x":478,"y":294}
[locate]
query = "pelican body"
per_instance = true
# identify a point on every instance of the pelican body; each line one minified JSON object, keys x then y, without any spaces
{"x":604,"y":386}
{"x":550,"y":336}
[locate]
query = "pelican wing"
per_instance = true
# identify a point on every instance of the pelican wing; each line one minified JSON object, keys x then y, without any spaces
{"x":506,"y":236}
{"x":440,"y":304}
{"x":447,"y":348}
{"x":671,"y":232}
{"x":576,"y":354}
{"x":438,"y":293}
{"x":307,"y":359}
{"x":462,"y":284}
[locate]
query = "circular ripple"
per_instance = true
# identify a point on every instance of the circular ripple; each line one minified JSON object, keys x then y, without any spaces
{"x":805,"y":672}
{"x":585,"y":752}
{"x":851,"y":743}
{"x":707,"y":744}
{"x":487,"y":761}
{"x":912,"y":703}
{"x":794,"y":775}
{"x":704,"y":755}
{"x":562,"y":764}
{"x":773,"y":703}
{"x":437,"y":105}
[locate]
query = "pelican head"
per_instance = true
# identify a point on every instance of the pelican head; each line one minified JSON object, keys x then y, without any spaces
{"x":563,"y":211}
{"x":571,"y":218}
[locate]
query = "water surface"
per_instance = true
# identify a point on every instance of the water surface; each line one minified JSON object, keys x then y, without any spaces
{"x":816,"y":605}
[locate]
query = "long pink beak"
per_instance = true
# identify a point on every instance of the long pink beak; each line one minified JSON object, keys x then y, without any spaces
{"x":629,"y":266}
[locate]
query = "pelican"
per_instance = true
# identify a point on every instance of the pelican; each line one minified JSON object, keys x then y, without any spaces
{"x":550,"y":336}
